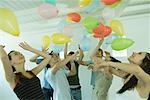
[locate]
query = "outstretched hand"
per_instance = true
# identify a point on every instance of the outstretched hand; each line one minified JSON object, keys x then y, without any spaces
{"x":25,"y":46}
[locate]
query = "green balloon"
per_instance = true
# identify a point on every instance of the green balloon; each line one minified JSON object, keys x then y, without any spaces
{"x":90,"y":23}
{"x":121,"y":43}
{"x":53,"y":2}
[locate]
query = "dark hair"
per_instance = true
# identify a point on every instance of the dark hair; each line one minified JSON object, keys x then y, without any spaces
{"x":71,"y":53}
{"x":9,"y":56}
{"x":100,"y":50}
{"x":114,"y":59}
{"x":132,"y":83}
{"x":52,"y":52}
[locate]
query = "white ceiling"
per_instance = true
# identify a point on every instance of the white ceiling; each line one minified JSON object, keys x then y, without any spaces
{"x":30,"y":21}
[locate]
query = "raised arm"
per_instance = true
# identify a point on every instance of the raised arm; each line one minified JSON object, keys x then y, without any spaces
{"x":65,"y":50}
{"x":34,"y":58}
{"x":98,"y":46}
{"x":119,"y":73}
{"x":38,"y":68}
{"x":62,"y":63}
{"x":9,"y":75}
{"x":81,"y":54}
{"x":129,"y":68}
{"x":27,"y":47}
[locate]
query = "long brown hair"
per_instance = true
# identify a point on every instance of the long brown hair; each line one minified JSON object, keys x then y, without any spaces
{"x":132,"y":83}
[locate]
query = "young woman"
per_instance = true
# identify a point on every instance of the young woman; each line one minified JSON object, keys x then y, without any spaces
{"x":74,"y":81}
{"x":57,"y":76}
{"x":25,"y":84}
{"x":140,"y":68}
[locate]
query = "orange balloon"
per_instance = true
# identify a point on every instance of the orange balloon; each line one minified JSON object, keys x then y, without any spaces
{"x":101,"y":31}
{"x":109,"y":2}
{"x":75,"y":17}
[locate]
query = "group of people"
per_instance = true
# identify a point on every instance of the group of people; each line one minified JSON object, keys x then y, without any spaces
{"x":61,"y":80}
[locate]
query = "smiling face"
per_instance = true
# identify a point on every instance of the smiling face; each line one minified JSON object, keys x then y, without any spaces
{"x":137,"y":58}
{"x":16,"y":58}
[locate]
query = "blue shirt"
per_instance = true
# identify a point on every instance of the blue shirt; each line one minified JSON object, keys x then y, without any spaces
{"x":45,"y":82}
{"x":93,"y":76}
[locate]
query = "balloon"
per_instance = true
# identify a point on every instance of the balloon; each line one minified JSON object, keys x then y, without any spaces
{"x":68,"y":31}
{"x":61,"y":25}
{"x":117,"y":27}
{"x":101,"y":31}
{"x":108,"y":13}
{"x":94,"y":6}
{"x":59,"y":38}
{"x":47,"y":11}
{"x":83,"y":3}
{"x":85,"y":43}
{"x":90,"y":23}
{"x":109,"y":2}
{"x":8,"y":22}
{"x":121,"y":43}
{"x":46,"y":41}
{"x":115,"y":4}
{"x":57,"y":48}
{"x":75,"y":17}
{"x":53,"y":2}
{"x":69,"y":3}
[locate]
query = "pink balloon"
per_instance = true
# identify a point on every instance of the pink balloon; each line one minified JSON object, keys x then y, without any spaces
{"x":68,"y":31}
{"x":47,"y":11}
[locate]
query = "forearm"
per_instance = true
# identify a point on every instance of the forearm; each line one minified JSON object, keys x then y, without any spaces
{"x":38,"y":52}
{"x":65,"y":50}
{"x":3,"y":53}
{"x":129,"y":68}
{"x":38,"y":69}
{"x":119,"y":73}
{"x":97,"y":47}
{"x":9,"y":75}
{"x":65,"y":61}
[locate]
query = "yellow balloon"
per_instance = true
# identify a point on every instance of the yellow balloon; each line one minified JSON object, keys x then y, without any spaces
{"x":83,"y":3}
{"x":59,"y":38}
{"x":45,"y":41}
{"x":8,"y":22}
{"x":117,"y":27}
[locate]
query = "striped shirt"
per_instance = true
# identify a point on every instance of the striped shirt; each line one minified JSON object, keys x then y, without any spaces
{"x":28,"y":89}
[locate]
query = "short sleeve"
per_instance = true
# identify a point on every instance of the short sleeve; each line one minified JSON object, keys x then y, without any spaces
{"x":38,"y":61}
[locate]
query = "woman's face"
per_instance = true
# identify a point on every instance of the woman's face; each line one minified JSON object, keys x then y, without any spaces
{"x":55,"y":58}
{"x":137,"y":58}
{"x":17,"y":58}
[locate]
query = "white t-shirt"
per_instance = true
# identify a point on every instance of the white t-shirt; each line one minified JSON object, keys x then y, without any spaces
{"x":59,"y":83}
